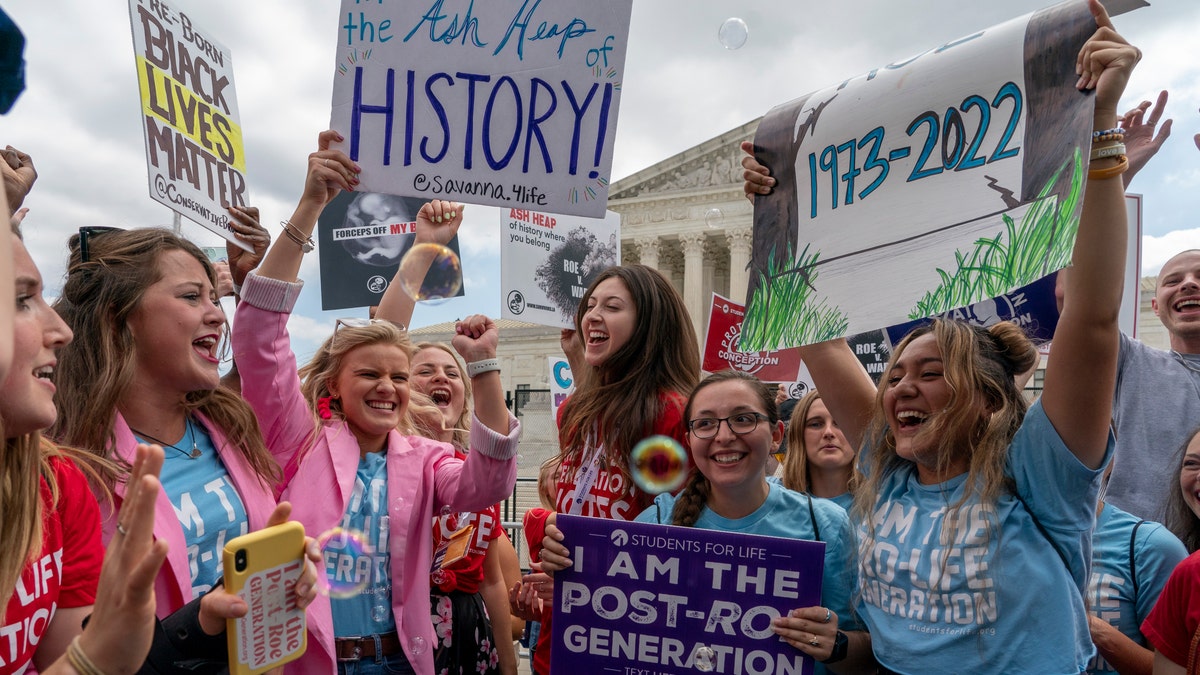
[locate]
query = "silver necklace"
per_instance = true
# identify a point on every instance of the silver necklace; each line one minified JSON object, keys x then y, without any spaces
{"x":191,"y":433}
{"x":1185,"y":362}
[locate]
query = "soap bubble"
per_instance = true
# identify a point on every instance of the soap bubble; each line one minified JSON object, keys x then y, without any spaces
{"x":733,"y":33}
{"x":416,"y":646}
{"x":713,"y":218}
{"x":658,"y":464}
{"x":430,"y":273}
{"x":380,"y":613}
{"x":704,"y":659}
{"x":337,"y":578}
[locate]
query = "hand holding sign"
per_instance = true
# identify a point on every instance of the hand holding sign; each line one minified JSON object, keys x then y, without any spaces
{"x":1105,"y":62}
{"x":246,"y":228}
{"x":329,"y":171}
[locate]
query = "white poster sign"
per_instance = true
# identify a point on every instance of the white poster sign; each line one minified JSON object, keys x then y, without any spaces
{"x":509,"y":103}
{"x":929,"y":184}
{"x":548,"y":261}
{"x":194,"y":150}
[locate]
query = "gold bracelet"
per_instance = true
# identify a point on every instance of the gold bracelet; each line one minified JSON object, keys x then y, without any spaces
{"x":80,"y":661}
{"x":1110,"y":172}
{"x":293,"y":233}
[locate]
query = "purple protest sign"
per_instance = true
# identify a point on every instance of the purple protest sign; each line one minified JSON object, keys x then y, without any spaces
{"x":668,"y":600}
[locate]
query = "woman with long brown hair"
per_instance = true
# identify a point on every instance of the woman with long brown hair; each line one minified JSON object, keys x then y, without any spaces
{"x":144,"y":369}
{"x":819,"y":460}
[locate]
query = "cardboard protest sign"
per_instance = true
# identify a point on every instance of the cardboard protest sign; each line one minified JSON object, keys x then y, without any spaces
{"x":194,"y":150}
{"x":509,"y":103}
{"x":721,"y":347}
{"x":362,"y":239}
{"x":547,"y":262}
{"x":929,"y":184}
{"x":661,"y":598}
{"x":721,"y":350}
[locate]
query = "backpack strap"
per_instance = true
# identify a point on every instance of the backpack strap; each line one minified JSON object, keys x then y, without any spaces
{"x":812,"y":515}
{"x":1132,"y":565}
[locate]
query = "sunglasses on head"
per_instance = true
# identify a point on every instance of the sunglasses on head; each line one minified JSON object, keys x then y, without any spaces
{"x":88,"y":232}
{"x":355,"y":322}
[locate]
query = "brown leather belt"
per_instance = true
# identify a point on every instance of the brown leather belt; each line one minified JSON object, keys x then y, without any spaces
{"x":354,"y":649}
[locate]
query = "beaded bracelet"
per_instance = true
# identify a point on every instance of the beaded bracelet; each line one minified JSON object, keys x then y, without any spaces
{"x":305,"y":243}
{"x":80,"y":661}
{"x":1113,"y":150}
{"x":1110,"y":172}
{"x":1107,"y":132}
{"x":1108,"y":137}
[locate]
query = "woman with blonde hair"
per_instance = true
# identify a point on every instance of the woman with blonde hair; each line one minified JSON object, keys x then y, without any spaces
{"x":334,"y":428}
{"x":819,"y":460}
{"x":976,"y":512}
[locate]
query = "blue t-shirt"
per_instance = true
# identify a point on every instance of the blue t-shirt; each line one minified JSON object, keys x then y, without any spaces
{"x":209,"y":508}
{"x":1110,"y":594}
{"x":844,"y":500}
{"x":786,"y":514}
{"x":369,"y":611}
{"x":991,"y":594}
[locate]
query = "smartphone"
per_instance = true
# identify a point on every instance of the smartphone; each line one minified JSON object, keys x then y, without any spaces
{"x":262,"y":568}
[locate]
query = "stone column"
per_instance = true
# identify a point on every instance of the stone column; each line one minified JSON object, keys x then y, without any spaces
{"x":693,"y":245}
{"x":740,"y":241}
{"x":648,"y":250}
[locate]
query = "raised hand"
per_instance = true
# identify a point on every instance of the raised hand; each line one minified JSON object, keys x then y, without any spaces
{"x":438,"y":221}
{"x":19,"y":176}
{"x":1141,"y":140}
{"x":246,"y":227}
{"x":758,"y":177}
{"x":476,"y":338}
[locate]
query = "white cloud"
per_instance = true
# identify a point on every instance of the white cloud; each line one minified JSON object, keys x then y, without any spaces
{"x":1157,"y":250}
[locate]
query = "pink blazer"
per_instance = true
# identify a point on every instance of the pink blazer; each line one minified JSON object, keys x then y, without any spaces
{"x":422,"y":475}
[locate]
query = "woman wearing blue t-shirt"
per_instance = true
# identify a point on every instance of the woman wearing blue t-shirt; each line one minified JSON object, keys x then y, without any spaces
{"x":819,"y":459}
{"x":733,"y":426}
{"x":976,"y":511}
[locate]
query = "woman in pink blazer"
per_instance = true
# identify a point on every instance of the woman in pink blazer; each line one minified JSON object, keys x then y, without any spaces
{"x":333,"y":428}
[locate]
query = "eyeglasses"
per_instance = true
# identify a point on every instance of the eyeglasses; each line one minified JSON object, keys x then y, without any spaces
{"x":740,"y":424}
{"x":87,"y":232}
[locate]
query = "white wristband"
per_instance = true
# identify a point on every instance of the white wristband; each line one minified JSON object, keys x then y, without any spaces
{"x":477,"y":368}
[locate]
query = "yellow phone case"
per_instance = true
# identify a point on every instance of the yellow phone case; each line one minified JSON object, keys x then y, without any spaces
{"x":273,"y":631}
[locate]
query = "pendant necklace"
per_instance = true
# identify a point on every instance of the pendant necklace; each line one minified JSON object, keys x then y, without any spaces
{"x":191,"y":433}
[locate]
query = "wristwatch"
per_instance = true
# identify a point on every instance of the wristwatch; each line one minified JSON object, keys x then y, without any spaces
{"x":840,"y":645}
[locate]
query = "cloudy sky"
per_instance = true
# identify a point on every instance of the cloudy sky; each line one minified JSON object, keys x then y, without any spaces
{"x":79,"y":116}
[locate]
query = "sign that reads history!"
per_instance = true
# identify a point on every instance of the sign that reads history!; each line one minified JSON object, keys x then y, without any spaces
{"x":673,"y":600}
{"x":510,"y":103}
{"x":194,"y":149}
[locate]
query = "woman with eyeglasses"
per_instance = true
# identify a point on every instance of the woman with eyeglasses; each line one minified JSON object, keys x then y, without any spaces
{"x":733,"y":426}
{"x":144,"y":369}
{"x":333,"y":428}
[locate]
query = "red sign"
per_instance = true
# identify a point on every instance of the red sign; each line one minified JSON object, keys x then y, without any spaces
{"x":721,"y":342}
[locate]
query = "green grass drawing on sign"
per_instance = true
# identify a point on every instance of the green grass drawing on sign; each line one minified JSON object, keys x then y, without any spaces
{"x":1019,"y":255}
{"x":783,"y":310}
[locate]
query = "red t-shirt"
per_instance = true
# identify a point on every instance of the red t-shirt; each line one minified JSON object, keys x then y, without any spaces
{"x":1176,"y":615}
{"x":64,"y":574}
{"x":608,"y":498}
{"x":466,"y":574}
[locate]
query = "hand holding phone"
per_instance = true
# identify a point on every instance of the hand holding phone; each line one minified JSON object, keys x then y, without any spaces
{"x":262,"y":568}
